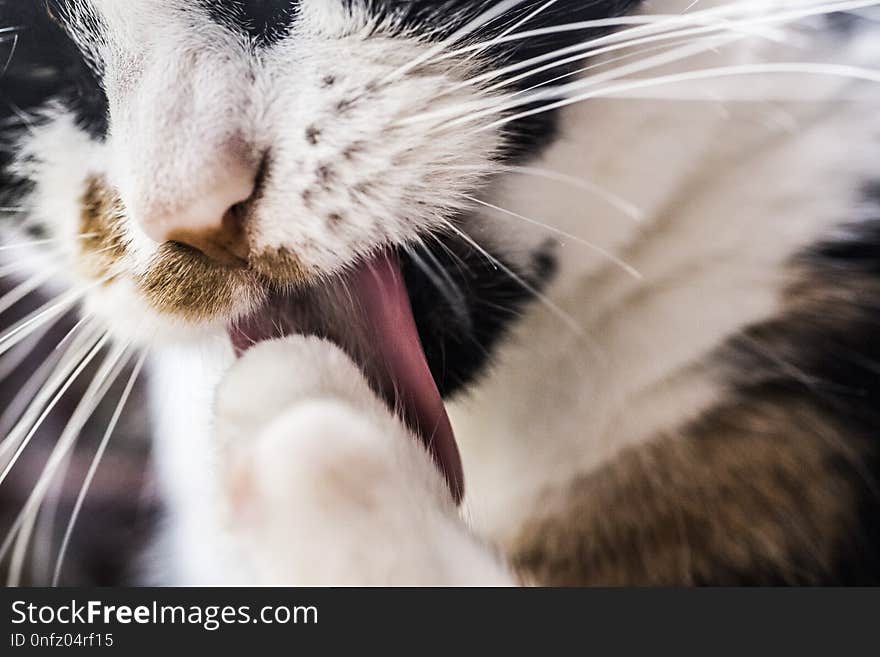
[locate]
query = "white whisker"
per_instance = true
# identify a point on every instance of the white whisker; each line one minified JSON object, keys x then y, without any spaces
{"x":20,"y":264}
{"x":603,"y":63}
{"x":627,"y":208}
{"x":22,"y":528}
{"x":52,"y":240}
{"x":473,"y":25}
{"x":33,"y":394}
{"x":25,"y":289}
{"x":72,"y":331}
{"x":644,"y":24}
{"x":563,"y":316}
{"x":712,"y":35}
{"x":96,"y":349}
{"x":629,"y":269}
{"x":673,"y":56}
{"x":93,"y":468}
{"x":658,"y":26}
{"x":12,"y":51}
{"x":740,"y":29}
{"x":796,"y":68}
{"x":12,"y":360}
{"x":45,"y":313}
{"x":441,"y":279}
{"x":496,"y":105}
{"x":513,"y":28}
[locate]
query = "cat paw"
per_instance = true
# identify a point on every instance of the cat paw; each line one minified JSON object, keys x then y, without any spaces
{"x":275,"y":375}
{"x":326,"y":487}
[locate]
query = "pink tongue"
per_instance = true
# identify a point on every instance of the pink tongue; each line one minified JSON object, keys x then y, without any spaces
{"x":392,"y":333}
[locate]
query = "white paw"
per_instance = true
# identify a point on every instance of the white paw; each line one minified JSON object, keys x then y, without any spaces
{"x":326,"y":487}
{"x":276,"y":374}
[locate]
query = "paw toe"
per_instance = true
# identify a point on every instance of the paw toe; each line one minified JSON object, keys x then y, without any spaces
{"x":275,"y":375}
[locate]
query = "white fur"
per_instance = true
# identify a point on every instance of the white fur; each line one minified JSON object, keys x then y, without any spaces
{"x":324,"y":487}
{"x":304,"y":478}
{"x":220,"y":109}
{"x":737,"y":193}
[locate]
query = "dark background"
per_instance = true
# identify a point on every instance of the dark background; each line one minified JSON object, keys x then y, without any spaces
{"x":120,"y":509}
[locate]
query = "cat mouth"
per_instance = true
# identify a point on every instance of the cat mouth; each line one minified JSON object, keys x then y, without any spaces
{"x":367,"y":312}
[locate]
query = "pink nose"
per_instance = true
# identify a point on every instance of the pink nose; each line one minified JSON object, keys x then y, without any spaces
{"x":214,"y":223}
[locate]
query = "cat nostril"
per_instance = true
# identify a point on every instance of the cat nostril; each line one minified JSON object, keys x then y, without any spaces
{"x":225,"y":243}
{"x":215,"y":223}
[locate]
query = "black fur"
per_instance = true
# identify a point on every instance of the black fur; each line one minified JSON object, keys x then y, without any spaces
{"x":39,"y":63}
{"x":847,"y":359}
{"x":45,"y":64}
{"x":266,"y":21}
{"x":527,"y":136}
{"x":464,"y":303}
{"x":826,"y":352}
{"x":459,"y":331}
{"x":847,"y":23}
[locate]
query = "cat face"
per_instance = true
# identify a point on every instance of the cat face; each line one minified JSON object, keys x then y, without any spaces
{"x":193,"y":163}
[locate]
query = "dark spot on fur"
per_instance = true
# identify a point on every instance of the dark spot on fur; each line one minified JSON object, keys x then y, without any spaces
{"x":335,"y":219}
{"x":36,"y":231}
{"x":343,"y":106}
{"x":307,"y":196}
{"x":325,"y":175}
{"x":313,"y":135}
{"x":364,"y":189}
{"x":352,"y":150}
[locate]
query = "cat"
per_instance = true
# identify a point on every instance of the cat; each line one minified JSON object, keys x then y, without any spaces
{"x":463,"y":292}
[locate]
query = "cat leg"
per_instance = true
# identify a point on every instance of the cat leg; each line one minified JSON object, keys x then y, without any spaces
{"x":764,"y":490}
{"x":326,"y":487}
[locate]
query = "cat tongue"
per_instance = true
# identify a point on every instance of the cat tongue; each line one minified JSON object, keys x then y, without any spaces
{"x":400,"y":361}
{"x":380,"y":334}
